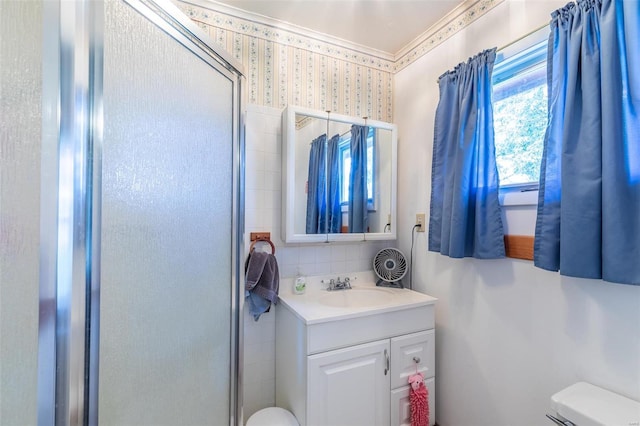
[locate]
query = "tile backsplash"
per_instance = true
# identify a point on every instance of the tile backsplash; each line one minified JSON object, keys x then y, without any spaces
{"x":263,"y":210}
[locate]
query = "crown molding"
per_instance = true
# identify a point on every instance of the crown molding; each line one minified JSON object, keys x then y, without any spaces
{"x":230,"y":18}
{"x":456,"y":20}
{"x":255,"y":25}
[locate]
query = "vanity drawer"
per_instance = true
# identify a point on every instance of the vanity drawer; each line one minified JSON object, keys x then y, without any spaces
{"x":331,"y":335}
{"x":401,"y":408}
{"x":412,"y":353}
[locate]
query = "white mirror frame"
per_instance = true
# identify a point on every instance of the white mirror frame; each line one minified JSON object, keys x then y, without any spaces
{"x":288,"y":177}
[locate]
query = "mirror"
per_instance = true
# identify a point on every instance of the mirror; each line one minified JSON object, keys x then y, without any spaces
{"x":341,"y":187}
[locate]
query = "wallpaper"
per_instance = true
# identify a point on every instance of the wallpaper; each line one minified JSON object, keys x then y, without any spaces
{"x":455,"y":21}
{"x":284,"y":67}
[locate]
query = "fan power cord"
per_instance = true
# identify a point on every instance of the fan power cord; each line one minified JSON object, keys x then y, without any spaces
{"x":413,"y":233}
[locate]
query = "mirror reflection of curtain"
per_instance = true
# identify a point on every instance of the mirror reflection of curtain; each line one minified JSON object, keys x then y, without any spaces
{"x":358,"y":212}
{"x":333,"y":185}
{"x":316,"y":189}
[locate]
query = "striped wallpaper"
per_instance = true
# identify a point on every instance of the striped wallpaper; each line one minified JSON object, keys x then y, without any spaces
{"x":284,"y":67}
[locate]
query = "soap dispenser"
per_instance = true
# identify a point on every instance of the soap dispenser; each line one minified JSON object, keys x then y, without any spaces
{"x":299,"y":284}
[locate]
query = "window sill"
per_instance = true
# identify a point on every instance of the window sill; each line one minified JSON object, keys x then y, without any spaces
{"x":512,"y":197}
{"x":518,"y":195}
{"x":519,"y":246}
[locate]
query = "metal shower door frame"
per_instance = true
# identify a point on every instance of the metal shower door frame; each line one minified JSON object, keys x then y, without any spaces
{"x":69,"y":324}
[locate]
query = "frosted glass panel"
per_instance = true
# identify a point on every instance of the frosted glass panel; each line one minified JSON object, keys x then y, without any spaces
{"x":20,"y":150}
{"x":166,"y":230}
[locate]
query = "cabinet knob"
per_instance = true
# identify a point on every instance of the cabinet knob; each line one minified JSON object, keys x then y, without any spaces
{"x":416,"y":359}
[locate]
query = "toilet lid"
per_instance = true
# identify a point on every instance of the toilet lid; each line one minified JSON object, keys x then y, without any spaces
{"x":587,"y":405}
{"x":272,"y":416}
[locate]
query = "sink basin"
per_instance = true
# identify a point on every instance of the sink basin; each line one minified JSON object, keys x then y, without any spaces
{"x":319,"y":306}
{"x":357,"y":297}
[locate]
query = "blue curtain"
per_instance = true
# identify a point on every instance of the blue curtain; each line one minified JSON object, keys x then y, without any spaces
{"x":334,"y":212}
{"x":465,"y":216}
{"x":358,"y":212}
{"x":588,"y":222}
{"x":316,"y":188}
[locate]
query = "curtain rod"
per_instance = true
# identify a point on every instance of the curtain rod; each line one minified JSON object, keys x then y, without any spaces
{"x":523,"y":37}
{"x":511,"y":43}
{"x":339,"y":135}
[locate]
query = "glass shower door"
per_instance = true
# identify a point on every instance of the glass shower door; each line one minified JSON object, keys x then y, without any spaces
{"x":20,"y":192}
{"x":167,"y":230}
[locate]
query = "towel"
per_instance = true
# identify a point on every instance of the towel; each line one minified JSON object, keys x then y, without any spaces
{"x":418,"y":400}
{"x":262,"y":282}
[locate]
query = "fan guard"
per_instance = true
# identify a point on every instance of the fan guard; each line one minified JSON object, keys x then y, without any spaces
{"x":390,"y":266}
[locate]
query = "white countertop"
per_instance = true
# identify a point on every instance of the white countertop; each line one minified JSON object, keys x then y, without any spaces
{"x":309,"y":308}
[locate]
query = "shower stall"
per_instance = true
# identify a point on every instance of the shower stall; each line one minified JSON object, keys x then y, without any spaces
{"x":121,"y":217}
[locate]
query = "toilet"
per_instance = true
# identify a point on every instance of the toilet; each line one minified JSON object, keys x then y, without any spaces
{"x":584,"y":404}
{"x":272,"y":416}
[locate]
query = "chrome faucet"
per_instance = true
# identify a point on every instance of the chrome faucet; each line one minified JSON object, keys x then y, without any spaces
{"x":337,"y":284}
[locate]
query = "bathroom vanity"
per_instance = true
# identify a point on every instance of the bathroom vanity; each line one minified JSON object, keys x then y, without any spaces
{"x":344,"y":357}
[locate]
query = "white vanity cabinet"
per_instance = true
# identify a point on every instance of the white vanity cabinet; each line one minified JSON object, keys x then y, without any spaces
{"x":349,"y":386}
{"x":411,"y":353}
{"x":353,"y":368}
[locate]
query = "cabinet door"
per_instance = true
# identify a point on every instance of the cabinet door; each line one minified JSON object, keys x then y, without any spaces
{"x":401,"y":408}
{"x":410,"y":354}
{"x":349,"y":386}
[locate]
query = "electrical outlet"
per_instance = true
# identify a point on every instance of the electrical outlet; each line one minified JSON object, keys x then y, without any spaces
{"x":420,"y":218}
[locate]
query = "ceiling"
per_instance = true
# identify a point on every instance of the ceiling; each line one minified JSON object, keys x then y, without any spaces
{"x":385,"y":25}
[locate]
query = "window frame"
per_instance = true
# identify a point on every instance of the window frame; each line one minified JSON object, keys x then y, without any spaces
{"x":517,"y":58}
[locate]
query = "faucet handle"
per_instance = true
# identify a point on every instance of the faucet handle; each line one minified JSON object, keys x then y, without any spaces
{"x":331,"y":284}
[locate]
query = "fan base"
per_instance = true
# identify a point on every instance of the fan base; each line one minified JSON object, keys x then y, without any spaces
{"x":393,"y":284}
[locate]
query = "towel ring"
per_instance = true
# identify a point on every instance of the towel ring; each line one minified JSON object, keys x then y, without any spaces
{"x":253,"y":244}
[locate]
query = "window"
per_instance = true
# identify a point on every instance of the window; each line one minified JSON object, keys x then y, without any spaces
{"x":520,"y":113}
{"x":345,"y":167}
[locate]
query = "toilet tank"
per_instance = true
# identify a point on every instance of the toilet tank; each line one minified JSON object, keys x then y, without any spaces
{"x":584,"y":404}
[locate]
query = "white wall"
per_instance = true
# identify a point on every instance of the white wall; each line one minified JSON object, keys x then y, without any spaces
{"x":263,"y":214}
{"x":508,"y":335}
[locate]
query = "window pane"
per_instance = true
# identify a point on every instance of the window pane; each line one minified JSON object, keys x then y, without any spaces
{"x":520,"y":120}
{"x":370,"y":169}
{"x":346,"y":170}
